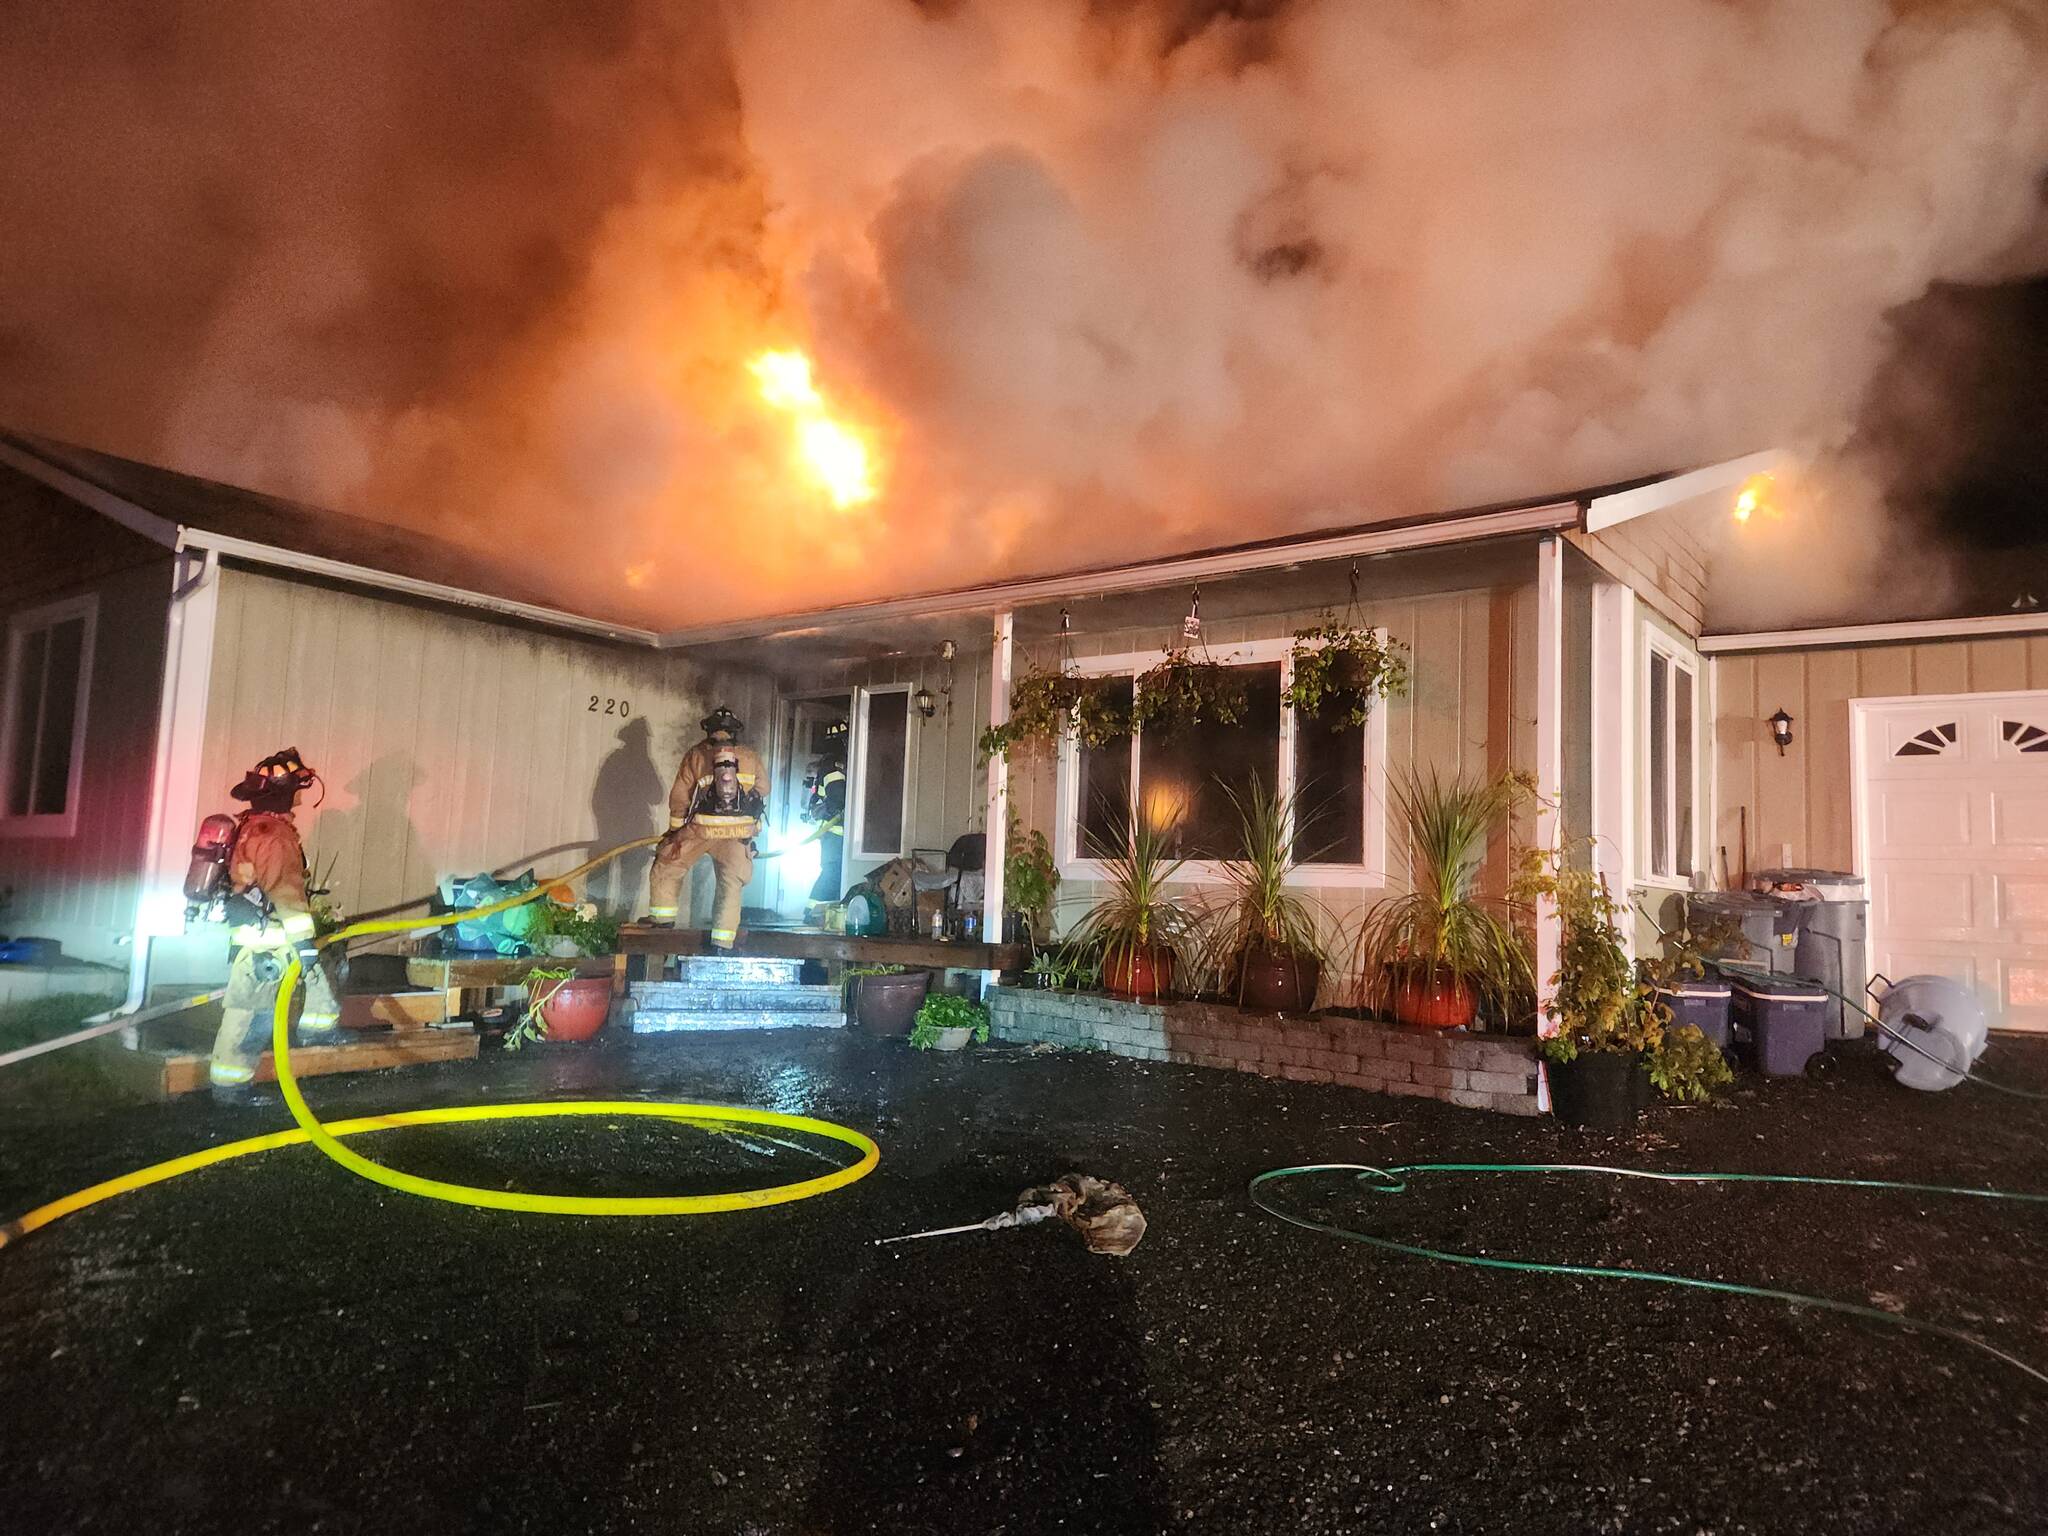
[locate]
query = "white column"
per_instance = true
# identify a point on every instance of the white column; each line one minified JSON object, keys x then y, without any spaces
{"x":174,"y":777}
{"x":1549,"y":748}
{"x":997,"y":825}
{"x":1614,"y":738}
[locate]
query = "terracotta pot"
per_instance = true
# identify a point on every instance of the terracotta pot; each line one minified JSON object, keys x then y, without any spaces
{"x":1597,"y":1090}
{"x":576,"y":1009}
{"x":1424,"y":1000}
{"x":886,"y":1006}
{"x":1276,"y":979}
{"x":1144,"y":975}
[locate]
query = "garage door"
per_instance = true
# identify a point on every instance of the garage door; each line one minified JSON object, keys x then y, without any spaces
{"x":1953,"y":805}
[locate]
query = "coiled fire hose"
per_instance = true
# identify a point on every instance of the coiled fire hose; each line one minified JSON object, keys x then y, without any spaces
{"x":328,"y":1138}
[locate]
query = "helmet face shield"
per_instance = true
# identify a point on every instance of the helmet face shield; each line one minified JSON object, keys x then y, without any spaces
{"x":723,"y":722}
{"x":277,"y":779}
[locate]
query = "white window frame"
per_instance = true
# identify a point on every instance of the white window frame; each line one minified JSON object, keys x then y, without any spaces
{"x":1372,"y":874}
{"x":857,"y":774}
{"x":19,"y":628}
{"x":1679,"y":657}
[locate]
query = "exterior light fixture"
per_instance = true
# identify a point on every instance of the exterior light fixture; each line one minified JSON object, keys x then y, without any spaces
{"x":926,"y":704}
{"x":1781,"y":731}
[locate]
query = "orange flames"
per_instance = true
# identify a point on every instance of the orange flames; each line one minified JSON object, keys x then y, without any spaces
{"x":829,"y":453}
{"x":1754,"y":497}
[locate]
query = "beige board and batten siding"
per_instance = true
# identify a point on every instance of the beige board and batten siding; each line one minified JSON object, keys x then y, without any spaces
{"x":1799,"y":804}
{"x":81,"y":889}
{"x":1660,"y":557}
{"x":450,"y":741}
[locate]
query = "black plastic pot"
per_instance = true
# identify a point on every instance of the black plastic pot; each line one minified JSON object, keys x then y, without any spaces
{"x":1599,"y":1090}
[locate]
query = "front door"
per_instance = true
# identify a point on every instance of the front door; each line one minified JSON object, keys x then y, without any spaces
{"x":807,"y":739}
{"x":1952,"y":813}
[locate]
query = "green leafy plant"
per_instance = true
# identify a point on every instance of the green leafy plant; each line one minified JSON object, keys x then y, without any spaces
{"x":1136,"y":915}
{"x":1066,"y":966}
{"x":1686,"y":1065}
{"x":589,"y":929}
{"x":542,"y":983}
{"x":1030,"y":879}
{"x":1598,"y":1001}
{"x":1442,"y":930}
{"x":1182,"y":690}
{"x":855,"y":972}
{"x":1339,"y":670}
{"x":947,"y":1010}
{"x":1258,"y":909}
{"x":1046,"y":703}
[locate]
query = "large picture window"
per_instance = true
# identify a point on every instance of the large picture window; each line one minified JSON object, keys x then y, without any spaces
{"x":1672,"y":720}
{"x":42,"y":734}
{"x":1182,"y":783}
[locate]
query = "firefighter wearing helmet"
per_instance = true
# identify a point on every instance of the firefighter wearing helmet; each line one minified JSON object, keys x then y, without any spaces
{"x":714,"y":812}
{"x":825,"y":809}
{"x":250,"y":871}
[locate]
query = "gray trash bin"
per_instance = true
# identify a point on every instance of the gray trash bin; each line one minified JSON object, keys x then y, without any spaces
{"x":1767,"y":937}
{"x":1828,"y":911}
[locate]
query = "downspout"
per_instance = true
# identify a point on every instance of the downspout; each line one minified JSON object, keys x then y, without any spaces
{"x":180,"y":735}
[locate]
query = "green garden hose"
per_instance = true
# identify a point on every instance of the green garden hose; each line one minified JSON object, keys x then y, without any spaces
{"x":1389,"y":1181}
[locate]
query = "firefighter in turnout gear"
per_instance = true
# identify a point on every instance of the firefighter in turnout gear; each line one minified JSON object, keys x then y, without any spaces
{"x":825,"y":809}
{"x":714,"y":812}
{"x":262,"y":893}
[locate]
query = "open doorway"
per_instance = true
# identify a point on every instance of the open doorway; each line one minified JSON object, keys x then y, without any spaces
{"x":817,"y":729}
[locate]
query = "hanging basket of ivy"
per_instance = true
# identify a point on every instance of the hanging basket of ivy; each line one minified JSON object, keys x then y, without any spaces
{"x":1183,"y":690}
{"x":1340,"y":670}
{"x":1045,"y":704}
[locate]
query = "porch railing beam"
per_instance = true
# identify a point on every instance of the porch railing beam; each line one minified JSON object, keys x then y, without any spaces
{"x":1549,"y":751}
{"x":997,"y":824}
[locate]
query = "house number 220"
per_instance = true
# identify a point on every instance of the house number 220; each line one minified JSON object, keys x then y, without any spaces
{"x":623,"y":708}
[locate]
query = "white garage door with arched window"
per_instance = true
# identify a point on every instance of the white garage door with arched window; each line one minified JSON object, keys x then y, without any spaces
{"x":1952,"y":836}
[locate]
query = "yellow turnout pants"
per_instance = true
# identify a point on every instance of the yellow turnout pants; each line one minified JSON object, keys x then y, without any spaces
{"x":245,"y":1011}
{"x":732,"y":859}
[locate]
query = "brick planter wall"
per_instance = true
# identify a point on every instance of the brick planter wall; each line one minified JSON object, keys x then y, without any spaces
{"x":1477,"y":1071}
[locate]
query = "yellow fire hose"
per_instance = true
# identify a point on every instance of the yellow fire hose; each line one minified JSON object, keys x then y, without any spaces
{"x":328,"y":1138}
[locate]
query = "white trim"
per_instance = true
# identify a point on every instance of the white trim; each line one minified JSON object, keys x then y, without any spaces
{"x":1370,"y":875}
{"x":996,"y":828}
{"x":2032,"y":622}
{"x":1614,"y":733}
{"x":1679,"y":657}
{"x":857,"y":775}
{"x":432,"y":591}
{"x":175,"y":780}
{"x":64,"y":823}
{"x":1549,"y":755}
{"x":1621,"y":506}
{"x":1544,"y":517}
{"x":156,"y":529}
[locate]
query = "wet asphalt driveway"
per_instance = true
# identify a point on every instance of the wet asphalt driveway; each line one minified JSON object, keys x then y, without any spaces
{"x":272,"y":1345}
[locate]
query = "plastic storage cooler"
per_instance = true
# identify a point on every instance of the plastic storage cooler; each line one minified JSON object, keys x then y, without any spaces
{"x":1703,"y":1003}
{"x":1785,"y":1019}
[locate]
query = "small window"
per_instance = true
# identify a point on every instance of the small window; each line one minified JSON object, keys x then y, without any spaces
{"x":1934,"y":741}
{"x":2025,"y":737}
{"x":1673,"y":750}
{"x":49,"y":657}
{"x":885,"y":750}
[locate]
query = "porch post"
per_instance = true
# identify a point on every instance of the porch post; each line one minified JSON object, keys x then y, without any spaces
{"x":1614,"y":738}
{"x":174,"y":776}
{"x":1549,"y":750}
{"x":997,"y":825}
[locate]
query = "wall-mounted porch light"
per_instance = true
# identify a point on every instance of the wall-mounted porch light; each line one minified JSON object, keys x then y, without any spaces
{"x":926,"y":704}
{"x":1781,"y":731}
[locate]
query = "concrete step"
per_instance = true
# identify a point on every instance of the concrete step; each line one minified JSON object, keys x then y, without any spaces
{"x":657,"y":1021}
{"x":737,"y":971}
{"x":693,"y":997}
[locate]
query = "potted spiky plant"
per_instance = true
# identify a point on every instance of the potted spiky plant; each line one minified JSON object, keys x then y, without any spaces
{"x":1434,"y":955}
{"x":1263,"y":938}
{"x":1142,"y":934}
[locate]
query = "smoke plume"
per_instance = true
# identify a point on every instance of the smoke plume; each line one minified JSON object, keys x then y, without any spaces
{"x":1096,"y":280}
